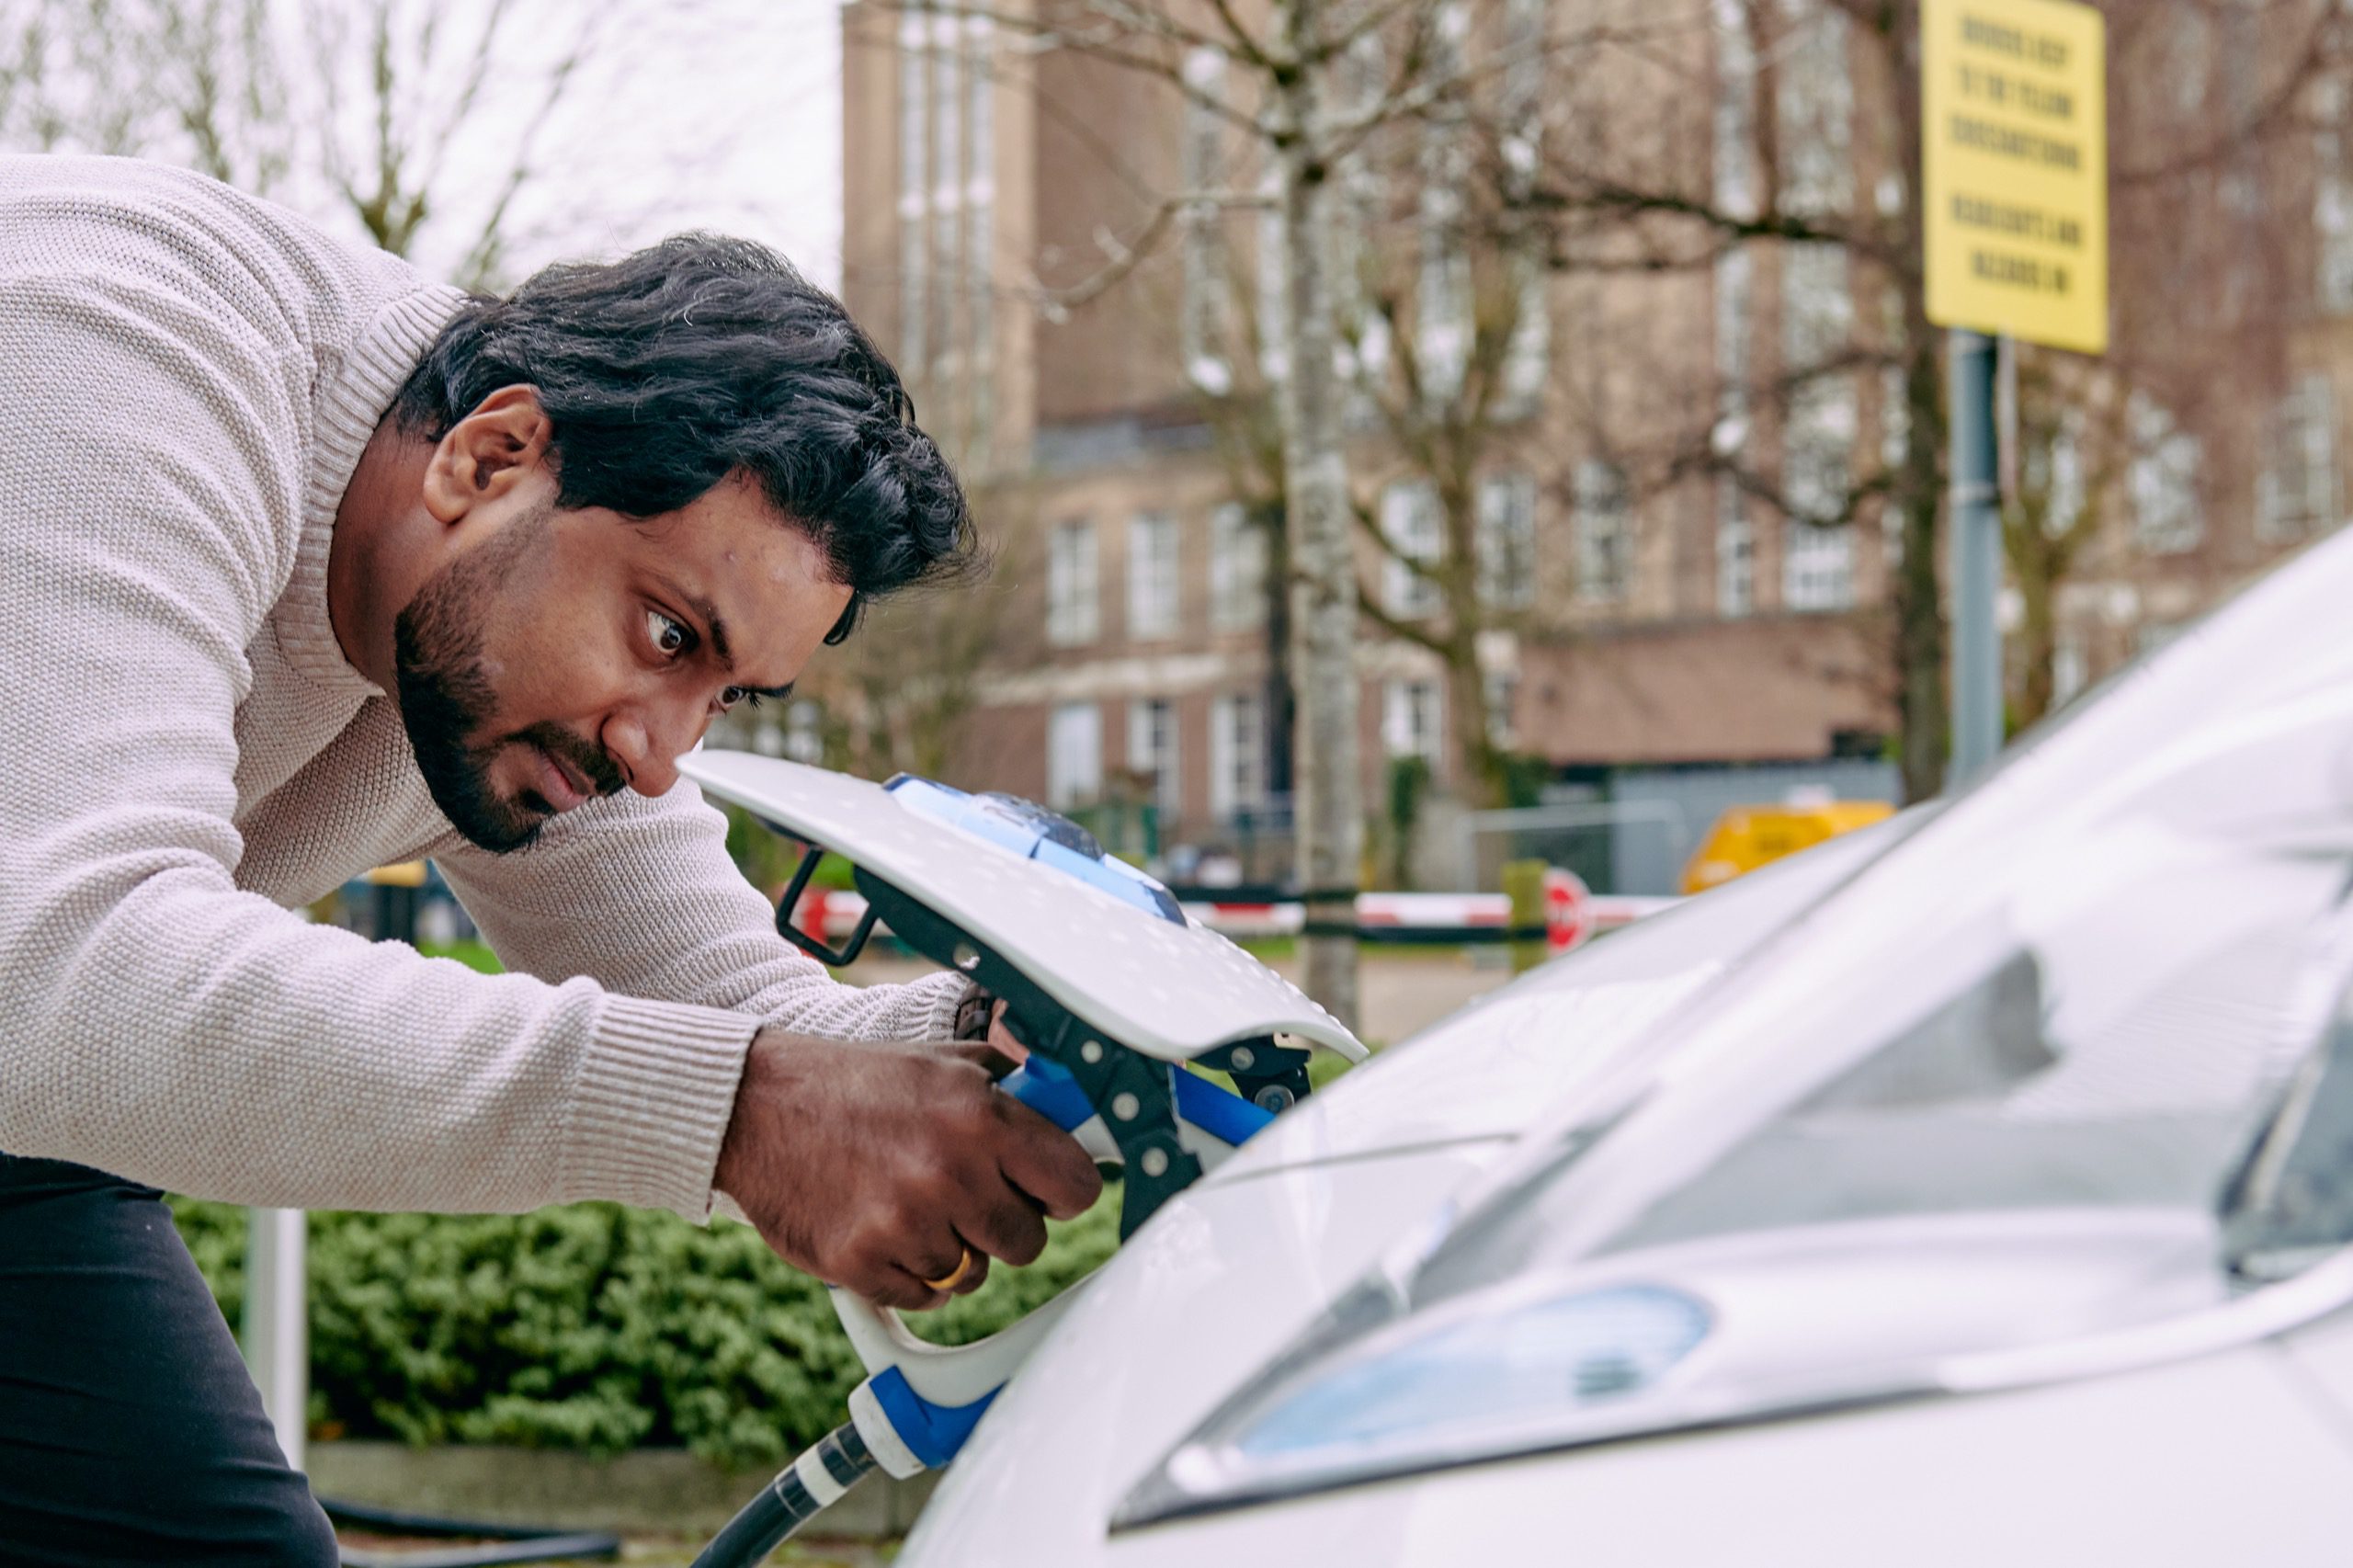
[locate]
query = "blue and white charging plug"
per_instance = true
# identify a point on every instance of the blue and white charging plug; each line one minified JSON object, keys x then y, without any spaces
{"x":920,"y":1402}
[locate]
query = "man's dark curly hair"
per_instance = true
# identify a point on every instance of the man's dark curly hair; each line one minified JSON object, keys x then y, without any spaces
{"x":669,"y":370}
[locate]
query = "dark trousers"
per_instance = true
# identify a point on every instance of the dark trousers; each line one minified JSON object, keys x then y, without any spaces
{"x":129,"y":1432}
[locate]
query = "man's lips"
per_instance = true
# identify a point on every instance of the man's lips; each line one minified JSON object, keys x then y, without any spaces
{"x":558,"y":787}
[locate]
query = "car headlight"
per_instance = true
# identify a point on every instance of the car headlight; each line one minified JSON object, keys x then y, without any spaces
{"x":1488,"y":1366}
{"x":2060,"y":1082}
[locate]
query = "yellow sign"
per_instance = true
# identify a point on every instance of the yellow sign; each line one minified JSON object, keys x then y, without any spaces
{"x":2015,"y":109}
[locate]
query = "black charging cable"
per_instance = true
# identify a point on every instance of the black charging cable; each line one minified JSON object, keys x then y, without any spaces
{"x":504,"y":1543}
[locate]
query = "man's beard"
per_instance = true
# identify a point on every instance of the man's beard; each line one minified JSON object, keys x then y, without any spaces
{"x":446,"y":697}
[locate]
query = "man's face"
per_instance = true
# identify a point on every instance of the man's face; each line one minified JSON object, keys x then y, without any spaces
{"x":563,"y":655}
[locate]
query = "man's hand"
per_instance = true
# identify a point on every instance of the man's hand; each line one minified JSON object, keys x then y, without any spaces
{"x":875,"y":1165}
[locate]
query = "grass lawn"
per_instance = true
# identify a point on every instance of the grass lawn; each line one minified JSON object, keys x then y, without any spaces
{"x":474,"y":955}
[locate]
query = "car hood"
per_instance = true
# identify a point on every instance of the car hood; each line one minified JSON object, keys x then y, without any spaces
{"x":1485,"y":1073}
{"x":1223,"y":1276}
{"x":1229,"y":1272}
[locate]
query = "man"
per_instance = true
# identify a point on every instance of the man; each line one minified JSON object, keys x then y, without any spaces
{"x":311,"y":566}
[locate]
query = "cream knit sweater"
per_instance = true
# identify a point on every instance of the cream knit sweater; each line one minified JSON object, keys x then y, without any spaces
{"x":187,"y":378}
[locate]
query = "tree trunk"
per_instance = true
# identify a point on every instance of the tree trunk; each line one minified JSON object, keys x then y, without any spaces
{"x":1330,"y":812}
{"x":1282,"y":700}
{"x":2038,"y":645}
{"x":1923,"y":704}
{"x":1479,"y":784}
{"x":2038,"y":563}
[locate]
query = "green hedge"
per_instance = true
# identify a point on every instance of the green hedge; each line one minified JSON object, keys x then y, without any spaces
{"x":592,"y":1326}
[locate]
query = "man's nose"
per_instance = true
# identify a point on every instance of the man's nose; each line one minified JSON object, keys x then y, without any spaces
{"x":648,"y":741}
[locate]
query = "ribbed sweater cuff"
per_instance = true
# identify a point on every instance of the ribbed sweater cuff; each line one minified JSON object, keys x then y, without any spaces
{"x":653,"y":1103}
{"x":947,"y":1001}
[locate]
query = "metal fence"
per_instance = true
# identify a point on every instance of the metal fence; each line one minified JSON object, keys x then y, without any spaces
{"x":1633,"y":835}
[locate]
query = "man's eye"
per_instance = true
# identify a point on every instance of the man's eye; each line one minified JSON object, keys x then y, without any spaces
{"x":669,"y":636}
{"x":731,"y":696}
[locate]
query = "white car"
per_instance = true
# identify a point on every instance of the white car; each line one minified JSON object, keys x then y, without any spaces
{"x":1974,"y":1189}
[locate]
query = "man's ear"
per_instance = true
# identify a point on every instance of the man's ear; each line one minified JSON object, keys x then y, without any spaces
{"x":485,"y":455}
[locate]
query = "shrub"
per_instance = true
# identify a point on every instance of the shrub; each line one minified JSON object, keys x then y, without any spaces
{"x":590,"y":1326}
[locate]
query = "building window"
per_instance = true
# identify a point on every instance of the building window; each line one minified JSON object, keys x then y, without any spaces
{"x":1237,"y":570}
{"x":1815,"y":112}
{"x":804,"y":732}
{"x":980,"y":317}
{"x":1073,"y":755}
{"x":2169,"y":515}
{"x":1508,"y":541}
{"x":2295,"y":495}
{"x":2332,"y":200}
{"x":947,"y":149}
{"x":1410,"y":522}
{"x":1895,"y":414}
{"x":1152,"y":576}
{"x":2056,"y":473}
{"x":1817,"y":566}
{"x":1528,"y":355}
{"x":1502,"y":690}
{"x":1152,"y":755}
{"x":979,"y":227}
{"x":1237,"y":755}
{"x":1817,"y":307}
{"x":1443,"y":304}
{"x":1817,"y":323}
{"x":946,"y":234}
{"x":1273,"y":324}
{"x":915,"y":146}
{"x":1204,"y":312}
{"x":1409,"y":720}
{"x":1071,"y":616}
{"x":2188,"y":52}
{"x":1359,"y":206}
{"x":1527,"y":352}
{"x":1736,"y":553}
{"x":1734,"y":117}
{"x":1603,"y":532}
{"x":2070,"y":669}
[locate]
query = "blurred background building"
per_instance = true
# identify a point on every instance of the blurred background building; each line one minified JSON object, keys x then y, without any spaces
{"x":1632,"y":326}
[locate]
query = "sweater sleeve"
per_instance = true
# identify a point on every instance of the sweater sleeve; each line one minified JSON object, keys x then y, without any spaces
{"x":160,"y":1023}
{"x":640,"y":895}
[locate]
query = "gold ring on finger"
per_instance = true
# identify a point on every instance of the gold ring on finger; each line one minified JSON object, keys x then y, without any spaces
{"x":964,"y":1267}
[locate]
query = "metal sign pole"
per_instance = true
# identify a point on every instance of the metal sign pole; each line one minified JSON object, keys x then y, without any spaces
{"x":278,"y":1325}
{"x":1976,"y":558}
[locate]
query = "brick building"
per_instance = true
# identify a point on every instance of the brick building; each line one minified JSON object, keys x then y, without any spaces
{"x":1653,"y":614}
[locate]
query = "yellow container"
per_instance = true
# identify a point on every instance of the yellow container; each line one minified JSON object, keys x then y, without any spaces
{"x":1748,"y":837}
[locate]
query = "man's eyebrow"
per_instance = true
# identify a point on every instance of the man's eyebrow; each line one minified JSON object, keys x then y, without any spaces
{"x":709,"y":611}
{"x":718,"y":624}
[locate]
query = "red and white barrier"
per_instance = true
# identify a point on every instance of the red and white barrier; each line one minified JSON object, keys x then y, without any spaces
{"x":1573,"y":914}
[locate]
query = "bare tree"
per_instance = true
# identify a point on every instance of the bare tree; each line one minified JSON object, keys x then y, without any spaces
{"x":404,"y":85}
{"x":1812,"y":107}
{"x":897,"y":697}
{"x":1284,"y":80}
{"x":1809,"y":111}
{"x":2074,"y":449}
{"x":1454,"y":386}
{"x":2215,"y":279}
{"x":360,"y":107}
{"x":1442,"y":344}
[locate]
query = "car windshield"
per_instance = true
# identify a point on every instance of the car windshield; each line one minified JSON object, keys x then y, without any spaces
{"x":2090,"y":980}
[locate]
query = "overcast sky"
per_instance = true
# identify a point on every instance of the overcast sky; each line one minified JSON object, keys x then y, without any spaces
{"x":718,"y":114}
